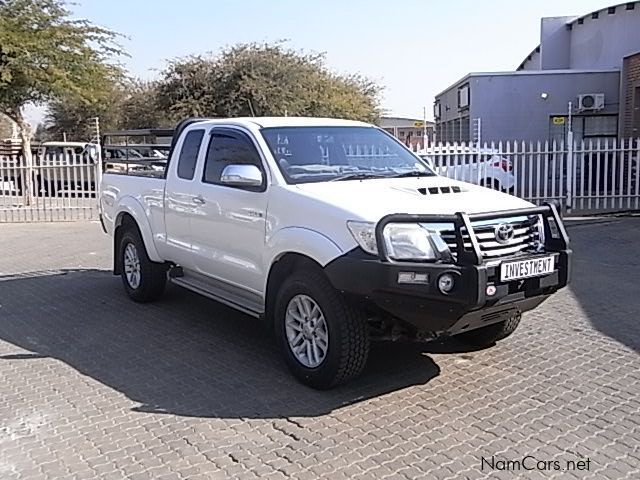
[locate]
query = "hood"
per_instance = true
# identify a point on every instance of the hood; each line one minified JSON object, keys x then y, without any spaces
{"x":371,"y":199}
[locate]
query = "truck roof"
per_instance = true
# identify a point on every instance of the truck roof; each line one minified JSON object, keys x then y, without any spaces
{"x":266,"y":122}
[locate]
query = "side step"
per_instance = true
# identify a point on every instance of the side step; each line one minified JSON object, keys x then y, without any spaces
{"x":227,"y":294}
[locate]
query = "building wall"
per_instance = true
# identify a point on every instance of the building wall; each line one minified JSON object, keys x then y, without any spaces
{"x":411,"y":136}
{"x":449,"y":102}
{"x":599,"y":40}
{"x":510,"y":106}
{"x":572,"y":58}
{"x":555,"y":51}
{"x":405,"y":129}
{"x":532,"y":62}
{"x":385,"y":122}
{"x":602,"y":43}
{"x":454,"y":124}
{"x":630,"y":98}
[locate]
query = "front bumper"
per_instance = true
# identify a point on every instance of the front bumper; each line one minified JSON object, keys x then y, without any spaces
{"x":467,"y":306}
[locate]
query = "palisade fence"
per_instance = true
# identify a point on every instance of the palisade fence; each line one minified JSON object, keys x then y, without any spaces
{"x":590,"y":176}
{"x":53,"y":188}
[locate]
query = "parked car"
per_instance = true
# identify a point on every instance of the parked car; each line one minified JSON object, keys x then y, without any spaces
{"x":67,"y":168}
{"x":484,"y":167}
{"x":58,"y":167}
{"x":328,"y":244}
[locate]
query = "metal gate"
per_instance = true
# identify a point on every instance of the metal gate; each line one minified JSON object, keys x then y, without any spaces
{"x":54,"y":188}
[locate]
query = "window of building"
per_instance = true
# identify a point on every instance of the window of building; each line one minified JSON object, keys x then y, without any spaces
{"x":631,"y":5}
{"x":594,"y":15}
{"x":436,"y":110}
{"x":463,"y":96}
{"x":189,"y":154}
{"x":611,"y":10}
{"x":465,"y":130}
{"x":601,"y":126}
{"x":635,"y":120}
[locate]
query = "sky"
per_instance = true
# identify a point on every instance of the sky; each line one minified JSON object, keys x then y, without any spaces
{"x":413,"y":48}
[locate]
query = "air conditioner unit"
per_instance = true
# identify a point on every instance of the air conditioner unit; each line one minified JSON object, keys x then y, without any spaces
{"x":590,"y":101}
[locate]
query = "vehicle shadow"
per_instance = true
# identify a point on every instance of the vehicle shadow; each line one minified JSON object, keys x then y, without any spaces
{"x":184,"y":355}
{"x":606,"y":277}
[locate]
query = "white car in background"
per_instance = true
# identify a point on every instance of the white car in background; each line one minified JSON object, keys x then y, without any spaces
{"x":485,"y":167}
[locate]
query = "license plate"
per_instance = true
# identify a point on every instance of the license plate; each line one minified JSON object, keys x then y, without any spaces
{"x":532,"y":267}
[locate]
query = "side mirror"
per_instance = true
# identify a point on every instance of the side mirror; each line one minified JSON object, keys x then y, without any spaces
{"x":241,"y":176}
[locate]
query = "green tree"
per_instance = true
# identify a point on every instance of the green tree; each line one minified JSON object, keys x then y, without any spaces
{"x":140,"y":107}
{"x":128,"y":104}
{"x":72,"y":117}
{"x":45,"y":54}
{"x":263,"y":79}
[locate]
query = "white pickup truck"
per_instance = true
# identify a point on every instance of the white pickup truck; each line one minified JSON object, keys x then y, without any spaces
{"x":333,"y":234}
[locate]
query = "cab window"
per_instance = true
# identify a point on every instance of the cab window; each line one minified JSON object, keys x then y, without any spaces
{"x":189,"y":154}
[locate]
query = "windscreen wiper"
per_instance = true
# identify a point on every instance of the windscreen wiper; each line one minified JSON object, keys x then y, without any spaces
{"x":412,"y":173}
{"x":358,"y":176}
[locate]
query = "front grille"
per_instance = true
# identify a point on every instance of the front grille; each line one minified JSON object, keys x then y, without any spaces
{"x":527,"y":237}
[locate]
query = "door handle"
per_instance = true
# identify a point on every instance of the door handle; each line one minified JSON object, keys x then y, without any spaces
{"x":199,"y":200}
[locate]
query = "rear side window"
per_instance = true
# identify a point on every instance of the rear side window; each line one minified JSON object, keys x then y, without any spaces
{"x":189,"y":154}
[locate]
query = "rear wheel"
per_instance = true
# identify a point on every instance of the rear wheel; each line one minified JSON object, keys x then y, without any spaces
{"x":324,"y":339}
{"x":143,"y":280}
{"x":487,"y":336}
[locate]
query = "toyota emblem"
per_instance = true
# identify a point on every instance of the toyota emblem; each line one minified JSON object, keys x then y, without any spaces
{"x":504,"y":232}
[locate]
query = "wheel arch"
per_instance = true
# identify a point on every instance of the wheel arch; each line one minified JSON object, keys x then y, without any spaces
{"x":281,"y":268}
{"x":291,"y":248}
{"x":132,"y":216}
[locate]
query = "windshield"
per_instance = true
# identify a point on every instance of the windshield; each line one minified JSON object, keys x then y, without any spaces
{"x":317,"y":154}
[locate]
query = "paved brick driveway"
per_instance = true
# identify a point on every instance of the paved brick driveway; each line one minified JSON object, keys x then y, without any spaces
{"x":94,"y":386}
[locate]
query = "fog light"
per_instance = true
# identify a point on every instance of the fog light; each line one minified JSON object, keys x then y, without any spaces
{"x":491,"y":290}
{"x":413,"y":277}
{"x":446,"y":282}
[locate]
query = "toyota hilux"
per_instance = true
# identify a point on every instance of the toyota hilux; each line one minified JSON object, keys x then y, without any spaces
{"x":333,"y":234}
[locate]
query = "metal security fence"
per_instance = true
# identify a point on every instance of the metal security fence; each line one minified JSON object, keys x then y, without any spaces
{"x":52,"y":188}
{"x":589,"y":176}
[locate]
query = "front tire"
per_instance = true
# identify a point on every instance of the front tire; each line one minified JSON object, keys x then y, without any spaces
{"x":489,"y":335}
{"x":143,"y":280}
{"x":324,"y":339}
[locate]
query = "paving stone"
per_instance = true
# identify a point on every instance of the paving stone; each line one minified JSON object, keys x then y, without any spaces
{"x":95,"y":386}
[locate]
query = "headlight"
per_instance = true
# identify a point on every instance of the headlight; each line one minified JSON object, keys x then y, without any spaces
{"x":404,"y":241}
{"x":408,"y":241}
